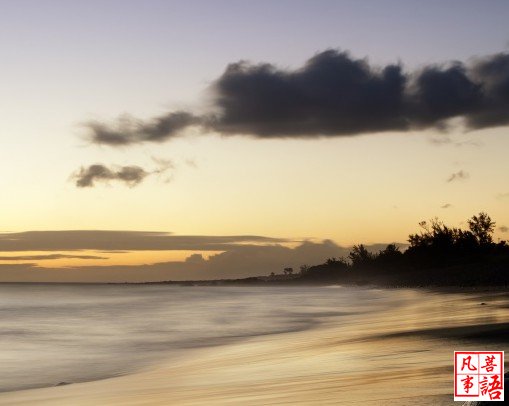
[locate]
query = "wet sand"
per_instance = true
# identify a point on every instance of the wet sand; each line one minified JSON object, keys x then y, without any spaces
{"x":402,"y":355}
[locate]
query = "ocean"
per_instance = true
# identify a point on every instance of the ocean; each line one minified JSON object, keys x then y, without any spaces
{"x":53,"y":334}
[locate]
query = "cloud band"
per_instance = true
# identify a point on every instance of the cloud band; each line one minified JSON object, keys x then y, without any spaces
{"x":333,"y":95}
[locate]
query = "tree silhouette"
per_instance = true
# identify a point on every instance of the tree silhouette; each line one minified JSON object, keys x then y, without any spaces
{"x":360,"y":256}
{"x":482,"y":228}
{"x":304,"y":269}
{"x":391,"y":254}
{"x":288,"y":271}
{"x":438,"y":255}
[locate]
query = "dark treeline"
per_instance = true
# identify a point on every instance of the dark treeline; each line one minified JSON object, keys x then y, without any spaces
{"x":438,"y":255}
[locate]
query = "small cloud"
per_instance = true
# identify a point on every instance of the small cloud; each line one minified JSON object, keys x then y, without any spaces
{"x":503,"y":229}
{"x":472,"y":143}
{"x":163,"y":166}
{"x":195,"y":259}
{"x":192,"y":163}
{"x":446,"y":206}
{"x":130,"y":175}
{"x":129,"y":130}
{"x":445,"y":139}
{"x":442,"y":139}
{"x":460,"y":175}
{"x":503,"y":195}
{"x":88,"y":176}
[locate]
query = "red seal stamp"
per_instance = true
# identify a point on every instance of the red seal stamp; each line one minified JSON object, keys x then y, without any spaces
{"x":479,"y":375}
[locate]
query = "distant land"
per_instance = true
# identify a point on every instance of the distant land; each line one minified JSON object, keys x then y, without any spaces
{"x":437,"y":256}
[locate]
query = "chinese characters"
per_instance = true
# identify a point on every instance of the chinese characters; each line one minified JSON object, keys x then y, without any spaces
{"x":479,"y":375}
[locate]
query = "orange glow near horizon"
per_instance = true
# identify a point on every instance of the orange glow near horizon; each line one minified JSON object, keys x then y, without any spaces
{"x":107,"y":258}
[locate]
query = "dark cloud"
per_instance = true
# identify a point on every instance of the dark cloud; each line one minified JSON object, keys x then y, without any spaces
{"x":48,"y":257}
{"x":88,"y":176}
{"x":460,"y":175}
{"x":493,"y":74}
{"x":503,"y":229}
{"x":440,"y":93}
{"x":113,"y":241}
{"x":334,"y":94}
{"x":446,"y":206}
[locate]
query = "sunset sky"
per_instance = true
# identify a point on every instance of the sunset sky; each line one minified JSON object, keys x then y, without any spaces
{"x":140,"y":118}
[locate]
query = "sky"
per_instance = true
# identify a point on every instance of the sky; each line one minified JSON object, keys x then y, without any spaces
{"x":294,"y":128}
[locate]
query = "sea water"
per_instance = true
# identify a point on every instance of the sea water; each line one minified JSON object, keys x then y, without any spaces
{"x":58,"y":333}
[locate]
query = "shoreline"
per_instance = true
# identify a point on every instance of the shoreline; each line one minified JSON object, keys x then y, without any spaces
{"x":286,"y":283}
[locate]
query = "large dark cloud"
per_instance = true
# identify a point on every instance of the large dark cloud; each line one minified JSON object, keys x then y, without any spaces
{"x":334,"y":94}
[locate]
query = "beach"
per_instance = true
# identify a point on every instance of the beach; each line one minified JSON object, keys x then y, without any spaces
{"x":305,"y":345}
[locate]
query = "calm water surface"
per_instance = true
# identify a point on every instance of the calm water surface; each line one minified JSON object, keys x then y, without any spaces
{"x":71,"y":333}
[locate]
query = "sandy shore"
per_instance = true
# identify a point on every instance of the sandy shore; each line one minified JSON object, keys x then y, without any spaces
{"x":308,"y":370}
{"x":403,"y":356}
